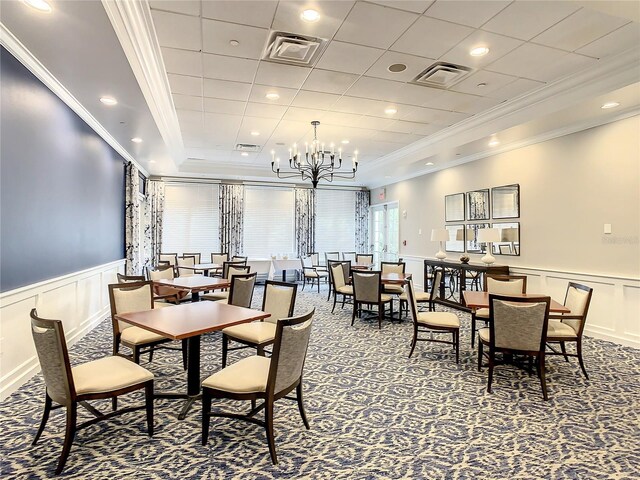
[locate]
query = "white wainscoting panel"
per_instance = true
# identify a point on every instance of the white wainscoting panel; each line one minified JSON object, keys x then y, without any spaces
{"x":614,"y":313}
{"x":80,"y":300}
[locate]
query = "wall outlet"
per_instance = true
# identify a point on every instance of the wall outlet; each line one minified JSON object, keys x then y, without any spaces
{"x":607,"y":228}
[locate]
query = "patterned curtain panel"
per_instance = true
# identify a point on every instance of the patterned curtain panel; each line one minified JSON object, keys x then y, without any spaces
{"x":362,"y":221}
{"x":132,"y":220}
{"x":231,"y":218}
{"x":154,"y":203}
{"x":305,"y":221}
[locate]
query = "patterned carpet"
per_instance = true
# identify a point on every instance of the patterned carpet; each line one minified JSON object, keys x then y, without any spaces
{"x":374,"y":413}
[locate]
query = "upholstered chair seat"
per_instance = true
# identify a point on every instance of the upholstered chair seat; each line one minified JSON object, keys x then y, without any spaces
{"x":394,"y":289}
{"x":249,"y":375}
{"x":420,"y":296}
{"x":316,"y":274}
{"x":255,"y":332}
{"x":439,"y":319}
{"x":216,"y":296}
{"x":108,"y":374}
{"x":557,"y":329}
{"x":484,"y":334}
{"x":139,"y":336}
{"x":345,"y":290}
{"x":384,"y":297}
{"x":482,"y":313}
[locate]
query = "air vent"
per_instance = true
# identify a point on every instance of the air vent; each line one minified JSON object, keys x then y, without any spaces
{"x":441,"y":75}
{"x":293,"y":49}
{"x":247,"y":147}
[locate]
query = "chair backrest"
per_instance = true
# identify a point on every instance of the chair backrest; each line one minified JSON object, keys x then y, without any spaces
{"x":435,"y":284}
{"x":219,"y":258}
{"x":48,"y":336}
{"x":186,"y":261}
{"x":366,"y":286}
{"x":411,"y":294}
{"x":315,"y":259}
{"x":241,"y":292}
{"x":518,"y":324}
{"x":577,"y":299}
{"x":364,"y":258}
{"x":239,"y":267}
{"x":160,"y":272}
{"x":350,"y":256}
{"x":505,"y":249}
{"x":392,"y":267}
{"x":129,"y":297}
{"x":129,"y":278}
{"x":336,"y":274}
{"x":196,"y":255}
{"x":279,"y":300}
{"x":172,"y":258}
{"x":331,"y":256}
{"x":505,"y":284}
{"x":289,"y":353}
{"x":239,"y":259}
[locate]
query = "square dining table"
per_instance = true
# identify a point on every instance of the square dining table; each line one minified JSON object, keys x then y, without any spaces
{"x":195,"y":284}
{"x":394,"y":278}
{"x":188,"y":321}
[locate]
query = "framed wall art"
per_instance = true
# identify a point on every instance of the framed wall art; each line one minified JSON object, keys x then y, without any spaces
{"x":505,"y":201}
{"x":454,"y":207}
{"x":478,"y":205}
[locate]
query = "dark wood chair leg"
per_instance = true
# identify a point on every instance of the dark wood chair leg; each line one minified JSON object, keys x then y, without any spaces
{"x":318,"y":280}
{"x":301,"y":405}
{"x":148,"y":401}
{"x":304,"y":281}
{"x":268,"y":425}
{"x":355,"y":309}
{"x":490,"y":378}
{"x":70,"y":432}
{"x":380,"y":314}
{"x":480,"y":353}
{"x":225,"y":349}
{"x":206,"y":418}
{"x":185,"y":354}
{"x":579,"y":352}
{"x":457,"y":340}
{"x":335,"y":299}
{"x":260,"y":350}
{"x":329,"y":294}
{"x":45,"y":417}
{"x":136,"y":354}
{"x":563,"y":348}
{"x":414,"y":341}
{"x":114,"y":403}
{"x":473,"y":330}
{"x":151,"y":353}
{"x":543,"y":381}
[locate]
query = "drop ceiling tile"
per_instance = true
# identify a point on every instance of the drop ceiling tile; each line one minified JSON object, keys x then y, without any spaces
{"x":349,"y":58}
{"x":265,"y":110}
{"x":217,"y":105}
{"x":416,"y":94}
{"x":402,"y":126}
{"x":187,"y":102}
{"x":471,"y":12}
{"x":567,"y":65}
{"x":189,"y":116}
{"x":255,"y":13}
{"x":579,"y":29}
{"x":498,"y":45}
{"x":263,"y":126}
{"x":527,"y":61}
{"x":298,"y":114}
{"x":461,"y":102}
{"x":259,"y":94}
{"x":183,"y":62}
{"x":493,"y":81}
{"x":289,"y":131}
{"x":615,"y":42}
{"x":395,"y":137}
{"x":216,"y":36}
{"x":433,"y":116}
{"x":374,"y":26}
{"x":525,"y":20}
{"x":226,"y":90}
{"x":177,"y":31}
{"x":226,"y":125}
{"x":229,"y":68}
{"x":515,"y":89}
{"x":315,"y":100}
{"x":342,"y":119}
{"x":375,"y":123}
{"x":332,"y":14}
{"x":279,"y":75}
{"x":414,"y":64}
{"x":375,"y":88}
{"x":411,"y":6}
{"x":185,"y":85}
{"x":188,"y":7}
{"x":431,"y":38}
{"x":329,"y":82}
{"x":360,"y":106}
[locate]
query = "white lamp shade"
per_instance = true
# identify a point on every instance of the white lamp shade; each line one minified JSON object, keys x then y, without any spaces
{"x":488,"y":235}
{"x":440,"y":235}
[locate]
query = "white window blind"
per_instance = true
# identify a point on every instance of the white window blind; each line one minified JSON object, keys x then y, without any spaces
{"x":335,"y":221}
{"x":191,"y":219}
{"x":268,"y":221}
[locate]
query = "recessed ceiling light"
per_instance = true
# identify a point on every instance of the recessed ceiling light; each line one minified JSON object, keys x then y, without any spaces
{"x":272,"y":96}
{"x":40,"y":5}
{"x":234,"y":43}
{"x":397,"y":67}
{"x":152,"y":161}
{"x":108,"y":101}
{"x":310,"y":15}
{"x":429,"y":164}
{"x":244,"y":154}
{"x":255,"y":134}
{"x":494,"y":143}
{"x":610,"y":105}
{"x":479,"y":51}
{"x":345,"y":141}
{"x":136,"y":140}
{"x":391,"y":110}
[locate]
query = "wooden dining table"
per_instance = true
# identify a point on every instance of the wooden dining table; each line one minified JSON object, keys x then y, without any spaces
{"x":189,"y":321}
{"x":475,"y":300}
{"x":395,"y":278}
{"x":195,"y":284}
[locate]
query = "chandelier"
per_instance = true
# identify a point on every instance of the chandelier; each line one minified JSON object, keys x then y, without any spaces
{"x":316,"y":164}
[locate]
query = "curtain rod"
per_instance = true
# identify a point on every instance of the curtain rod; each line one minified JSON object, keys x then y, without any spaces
{"x":253,"y":183}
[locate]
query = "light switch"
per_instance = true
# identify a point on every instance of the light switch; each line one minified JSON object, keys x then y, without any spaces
{"x":607,"y":228}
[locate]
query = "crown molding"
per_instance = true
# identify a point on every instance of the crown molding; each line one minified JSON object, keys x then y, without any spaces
{"x":24,"y":56}
{"x":609,"y":74}
{"x":134,"y":28}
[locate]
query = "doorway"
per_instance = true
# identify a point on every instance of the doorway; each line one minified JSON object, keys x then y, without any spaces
{"x":385,"y":232}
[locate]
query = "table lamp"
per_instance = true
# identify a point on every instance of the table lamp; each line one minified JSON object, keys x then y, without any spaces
{"x":488,"y":235}
{"x":440,"y":235}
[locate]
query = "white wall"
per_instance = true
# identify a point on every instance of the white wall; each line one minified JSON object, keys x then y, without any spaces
{"x":569,"y":188}
{"x":80,"y":300}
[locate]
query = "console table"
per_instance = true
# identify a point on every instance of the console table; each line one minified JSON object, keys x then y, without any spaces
{"x":456,"y":272}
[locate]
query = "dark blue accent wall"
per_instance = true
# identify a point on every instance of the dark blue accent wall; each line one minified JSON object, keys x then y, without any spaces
{"x":61,"y":185}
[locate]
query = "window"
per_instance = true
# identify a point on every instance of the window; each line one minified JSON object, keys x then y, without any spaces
{"x":335,"y":220}
{"x":268,"y":221}
{"x":191,"y":220}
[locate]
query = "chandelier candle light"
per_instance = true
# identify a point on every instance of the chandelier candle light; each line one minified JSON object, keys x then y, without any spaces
{"x":316,"y":164}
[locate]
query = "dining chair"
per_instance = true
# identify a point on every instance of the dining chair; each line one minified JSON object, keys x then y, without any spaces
{"x":367,"y":290}
{"x":239,"y":259}
{"x":349,"y":256}
{"x":241,"y":291}
{"x":129,"y":278}
{"x":339,"y":281}
{"x":569,"y":327}
{"x":501,"y":285}
{"x":364,"y":258}
{"x":196,"y":255}
{"x":260,"y":378}
{"x":429,"y":297}
{"x":186,"y":261}
{"x":393,"y":267}
{"x":172,"y":258}
{"x":432,"y":322}
{"x":68,"y":387}
{"x":333,"y":256}
{"x":229,"y":269}
{"x":218,"y":259}
{"x":169,"y":293}
{"x":279,"y":300}
{"x":312,"y":273}
{"x":315,"y":259}
{"x":517,"y":325}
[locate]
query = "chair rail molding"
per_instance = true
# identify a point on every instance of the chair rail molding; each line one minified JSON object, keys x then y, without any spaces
{"x":79,"y":299}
